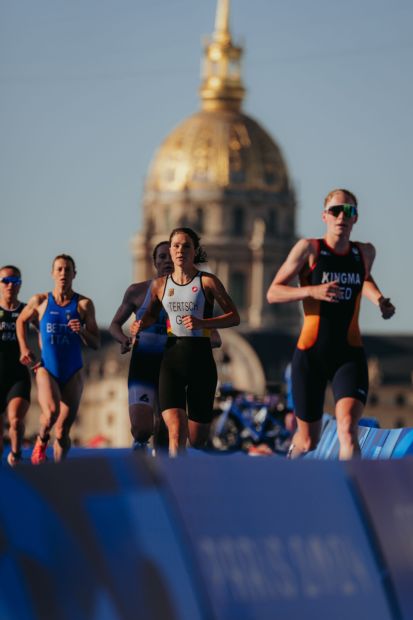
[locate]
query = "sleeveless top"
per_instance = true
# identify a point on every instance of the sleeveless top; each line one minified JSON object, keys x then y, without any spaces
{"x":61,"y":347}
{"x":183,"y":299}
{"x":153,"y":338}
{"x":9,"y":347}
{"x":333,"y":325}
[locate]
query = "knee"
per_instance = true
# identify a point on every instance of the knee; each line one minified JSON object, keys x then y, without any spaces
{"x":347,"y":436}
{"x":347,"y":427}
{"x":141,"y":422}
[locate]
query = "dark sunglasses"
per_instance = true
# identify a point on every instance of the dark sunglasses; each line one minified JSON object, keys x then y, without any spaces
{"x":11,"y":280}
{"x":348,"y":210}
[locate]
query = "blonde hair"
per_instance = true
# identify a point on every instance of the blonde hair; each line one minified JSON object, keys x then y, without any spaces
{"x":349,"y":195}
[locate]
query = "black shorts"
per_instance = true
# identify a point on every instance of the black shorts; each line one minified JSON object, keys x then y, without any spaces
{"x":14,"y":383}
{"x":143,"y":377}
{"x":188,"y":378}
{"x":346,"y":368}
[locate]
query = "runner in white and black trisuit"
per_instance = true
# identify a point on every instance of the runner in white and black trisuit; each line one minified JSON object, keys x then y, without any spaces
{"x":188,"y":374}
{"x":14,"y":377}
{"x":334,"y":273}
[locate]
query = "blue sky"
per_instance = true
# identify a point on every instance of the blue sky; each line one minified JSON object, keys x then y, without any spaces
{"x":90,"y":88}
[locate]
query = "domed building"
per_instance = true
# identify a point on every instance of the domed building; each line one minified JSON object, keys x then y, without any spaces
{"x":222,"y":174}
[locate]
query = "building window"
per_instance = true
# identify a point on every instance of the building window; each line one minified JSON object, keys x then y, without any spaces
{"x":199,"y":220}
{"x":272,"y":222}
{"x":400,"y":400}
{"x":167,"y":219}
{"x":237,"y":289}
{"x":238,"y":221}
{"x":373,"y":400}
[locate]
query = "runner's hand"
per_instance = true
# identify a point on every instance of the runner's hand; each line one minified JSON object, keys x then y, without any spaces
{"x":135,"y":328}
{"x":126,"y":346}
{"x":386,"y":307}
{"x":27,"y":357}
{"x":191,"y":322}
{"x":75,"y":325}
{"x":330,"y":292}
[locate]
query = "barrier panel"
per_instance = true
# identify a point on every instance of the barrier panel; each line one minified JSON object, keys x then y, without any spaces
{"x":91,"y":539}
{"x":124,"y":536}
{"x":375,"y":443}
{"x":386,"y":492}
{"x":276,"y":539}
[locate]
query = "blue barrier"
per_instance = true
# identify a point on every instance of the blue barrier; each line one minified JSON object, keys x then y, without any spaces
{"x":404,"y":444}
{"x":387,"y":497}
{"x":120,"y":536}
{"x":91,"y":539}
{"x":277,"y":539}
{"x":375,"y":443}
{"x":368,"y":421}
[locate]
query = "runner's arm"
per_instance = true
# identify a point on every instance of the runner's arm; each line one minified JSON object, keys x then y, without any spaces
{"x":88,"y":330}
{"x":127,"y":307}
{"x":214,"y":289}
{"x":29,"y":314}
{"x":370,"y":288}
{"x":280,"y":290}
{"x":153,"y":310}
{"x":374,"y":294}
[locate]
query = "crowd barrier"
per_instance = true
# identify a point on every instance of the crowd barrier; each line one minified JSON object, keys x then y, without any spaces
{"x":121,"y":536}
{"x":375,"y":443}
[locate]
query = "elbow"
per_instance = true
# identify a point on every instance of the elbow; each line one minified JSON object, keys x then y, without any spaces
{"x":273,"y":294}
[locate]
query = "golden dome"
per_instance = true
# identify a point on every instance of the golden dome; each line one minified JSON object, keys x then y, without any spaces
{"x":218,"y":148}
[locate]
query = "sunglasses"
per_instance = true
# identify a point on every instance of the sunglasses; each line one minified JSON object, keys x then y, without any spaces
{"x":11,"y":280}
{"x":348,"y":210}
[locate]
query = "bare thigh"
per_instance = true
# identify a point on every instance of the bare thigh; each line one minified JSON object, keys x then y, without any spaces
{"x":71,"y":394}
{"x":48,"y":392}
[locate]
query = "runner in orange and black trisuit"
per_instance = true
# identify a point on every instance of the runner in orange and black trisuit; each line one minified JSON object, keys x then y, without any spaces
{"x":330,"y":346}
{"x":333,"y":272}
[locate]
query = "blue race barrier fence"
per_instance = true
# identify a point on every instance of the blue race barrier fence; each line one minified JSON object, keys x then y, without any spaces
{"x":121,"y":536}
{"x":375,"y":443}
